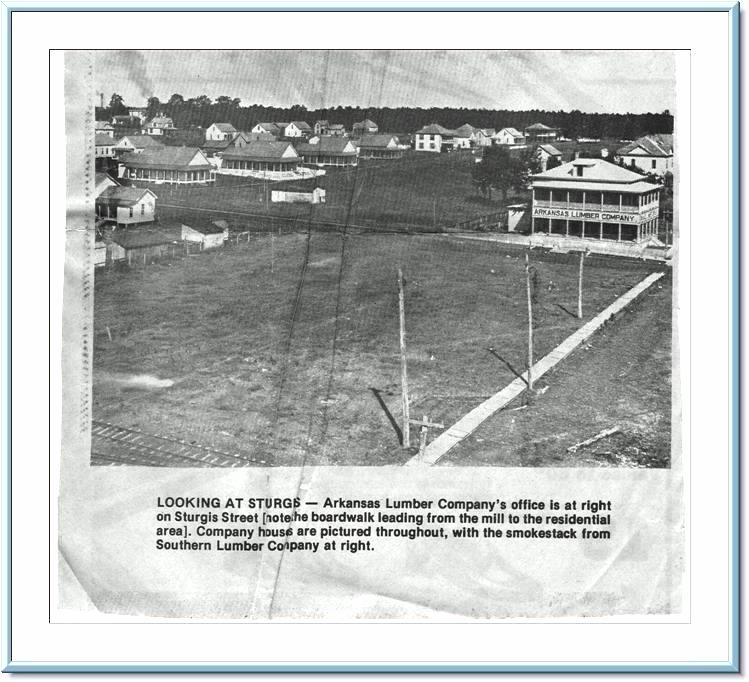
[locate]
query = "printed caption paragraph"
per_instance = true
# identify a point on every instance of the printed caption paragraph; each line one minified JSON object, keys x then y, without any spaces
{"x":339,"y":524}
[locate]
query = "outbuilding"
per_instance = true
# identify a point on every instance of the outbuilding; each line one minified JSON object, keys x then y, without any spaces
{"x":298,"y":194}
{"x":205,"y":232}
{"x":139,"y":246}
{"x":126,"y":205}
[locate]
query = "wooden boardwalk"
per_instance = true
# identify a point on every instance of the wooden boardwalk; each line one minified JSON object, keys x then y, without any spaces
{"x":471,"y":421}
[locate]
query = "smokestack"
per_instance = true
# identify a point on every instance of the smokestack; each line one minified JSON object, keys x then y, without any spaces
{"x":101,"y":100}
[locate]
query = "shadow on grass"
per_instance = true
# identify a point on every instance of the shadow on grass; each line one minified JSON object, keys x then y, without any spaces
{"x":508,"y":365}
{"x":378,"y":394}
{"x":569,"y":312}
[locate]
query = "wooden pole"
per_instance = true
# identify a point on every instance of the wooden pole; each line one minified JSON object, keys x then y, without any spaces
{"x":423,"y":436}
{"x":580,"y":287}
{"x":404,"y":373}
{"x":530,"y":321}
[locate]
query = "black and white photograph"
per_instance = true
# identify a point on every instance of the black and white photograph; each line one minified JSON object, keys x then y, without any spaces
{"x":384,"y":258}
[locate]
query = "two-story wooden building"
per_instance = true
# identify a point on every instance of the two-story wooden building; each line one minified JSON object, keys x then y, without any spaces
{"x":594,"y":199}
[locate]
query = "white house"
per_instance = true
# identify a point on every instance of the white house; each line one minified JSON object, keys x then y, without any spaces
{"x":126,"y":205}
{"x":509,"y":136}
{"x":381,"y":146}
{"x":268,"y":128}
{"x":104,"y":146}
{"x":464,"y":137}
{"x":297,"y":129}
{"x":367,"y":126}
{"x":218,"y":132}
{"x":651,"y":154}
{"x":433,"y":138}
{"x":158,"y":125}
{"x":204,"y":232}
{"x":484,"y":137}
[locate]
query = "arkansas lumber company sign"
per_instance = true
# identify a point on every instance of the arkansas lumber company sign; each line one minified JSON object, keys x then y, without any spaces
{"x":599,"y":216}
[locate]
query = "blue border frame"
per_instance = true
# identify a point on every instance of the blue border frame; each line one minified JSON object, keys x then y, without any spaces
{"x":731,"y":666}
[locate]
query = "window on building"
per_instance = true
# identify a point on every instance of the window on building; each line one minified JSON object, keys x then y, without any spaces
{"x":143,"y":209}
{"x":576,"y":197}
{"x":131,"y":211}
{"x":652,"y":163}
{"x":559,"y":195}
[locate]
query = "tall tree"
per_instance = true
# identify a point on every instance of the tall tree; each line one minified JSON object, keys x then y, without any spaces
{"x":117,"y":105}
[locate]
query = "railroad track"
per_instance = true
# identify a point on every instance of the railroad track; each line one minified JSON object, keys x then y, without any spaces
{"x":113,"y":445}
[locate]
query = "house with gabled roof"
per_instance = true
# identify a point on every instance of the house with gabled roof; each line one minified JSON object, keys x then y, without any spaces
{"x":509,"y":136}
{"x":168,"y":165}
{"x":158,"y":125}
{"x":136,"y":246}
{"x":202,"y":231}
{"x":321,"y":127}
{"x":434,"y":138}
{"x":297,"y":129}
{"x":484,"y":137}
{"x":365,"y":126}
{"x":125,"y":205}
{"x":136,"y":144}
{"x":464,"y":137}
{"x":102,"y":181}
{"x":103,"y":146}
{"x":269,"y":128}
{"x":104,"y":128}
{"x":329,"y":151}
{"x":538,"y":132}
{"x":651,"y":154}
{"x":217,"y":132}
{"x":273,"y":160}
{"x":547,"y":152}
{"x":380,"y":146}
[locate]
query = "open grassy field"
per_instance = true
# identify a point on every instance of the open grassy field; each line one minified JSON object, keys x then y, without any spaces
{"x":286,"y":349}
{"x":420,"y":192}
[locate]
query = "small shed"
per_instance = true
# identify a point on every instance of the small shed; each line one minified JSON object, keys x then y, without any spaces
{"x":298,"y":194}
{"x":135,"y":246}
{"x":204,"y":232}
{"x":518,"y":218}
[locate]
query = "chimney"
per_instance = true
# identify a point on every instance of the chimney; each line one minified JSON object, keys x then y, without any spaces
{"x":577,"y":154}
{"x":101,"y":100}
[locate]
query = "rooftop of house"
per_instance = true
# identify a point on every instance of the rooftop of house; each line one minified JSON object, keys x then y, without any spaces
{"x":140,"y":141}
{"x":160,"y":122}
{"x":101,"y":140}
{"x":302,"y":125}
{"x":377,"y":140}
{"x":514,"y":132}
{"x":225,"y":127}
{"x":466,"y":130}
{"x":265,"y":150}
{"x":550,"y":149}
{"x":328,"y":144}
{"x":104,"y":177}
{"x":134,"y":239}
{"x":654,"y":145}
{"x":123,"y":196}
{"x":202,"y":225}
{"x":540,"y":127}
{"x":169,"y":158}
{"x":366,"y":123}
{"x":434,"y":129}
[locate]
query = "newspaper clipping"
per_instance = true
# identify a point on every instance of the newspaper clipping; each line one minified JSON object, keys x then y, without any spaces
{"x":371,"y":335}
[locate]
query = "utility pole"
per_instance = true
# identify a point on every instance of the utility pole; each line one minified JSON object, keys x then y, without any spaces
{"x":580,"y":286}
{"x":404,"y":373}
{"x":530,"y":321}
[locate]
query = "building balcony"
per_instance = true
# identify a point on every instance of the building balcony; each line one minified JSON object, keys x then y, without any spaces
{"x":588,"y":206}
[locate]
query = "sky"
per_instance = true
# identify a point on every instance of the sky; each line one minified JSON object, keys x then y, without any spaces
{"x":613,"y":81}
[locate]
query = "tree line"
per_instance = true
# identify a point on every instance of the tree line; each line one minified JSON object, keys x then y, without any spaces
{"x":201,"y":111}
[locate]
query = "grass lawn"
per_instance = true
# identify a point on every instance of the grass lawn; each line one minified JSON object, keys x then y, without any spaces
{"x":421,"y":191}
{"x":292,"y":363}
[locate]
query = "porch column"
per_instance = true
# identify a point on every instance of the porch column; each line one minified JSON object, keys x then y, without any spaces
{"x":619,"y":238}
{"x":600,"y":231}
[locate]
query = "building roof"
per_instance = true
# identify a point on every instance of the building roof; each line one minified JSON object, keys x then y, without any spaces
{"x":540,"y":127}
{"x":366,"y":123}
{"x":280,"y":124}
{"x":376,"y":140}
{"x":159,"y":122}
{"x":141,"y":141}
{"x":653,"y":145}
{"x":225,"y":127}
{"x":327,"y":144}
{"x":270,"y":127}
{"x":123,"y":195}
{"x":302,"y":125}
{"x":322,"y":122}
{"x":514,"y":132}
{"x":597,"y":174}
{"x":103,"y":140}
{"x":466,"y":130}
{"x":104,"y":177}
{"x":103,"y":125}
{"x":550,"y":149}
{"x":202,"y":225}
{"x":301,"y":189}
{"x":169,"y":158}
{"x":434,"y":129}
{"x":262,"y":150}
{"x":268,"y":137}
{"x":134,"y":239}
{"x":489,"y":132}
{"x":337,"y":126}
